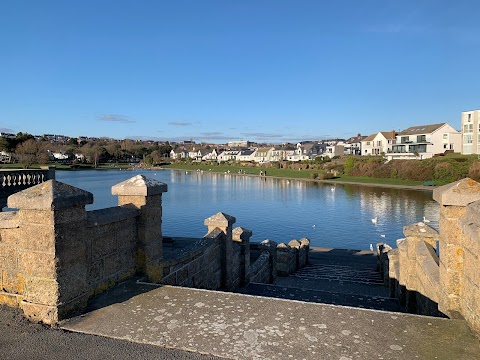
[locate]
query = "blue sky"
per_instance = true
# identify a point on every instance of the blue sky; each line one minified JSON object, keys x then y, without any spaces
{"x":259,"y":70}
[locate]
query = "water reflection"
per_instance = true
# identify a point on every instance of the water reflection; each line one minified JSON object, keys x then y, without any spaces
{"x":278,"y":209}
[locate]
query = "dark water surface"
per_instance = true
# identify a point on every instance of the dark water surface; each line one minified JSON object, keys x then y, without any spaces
{"x":277,"y":209}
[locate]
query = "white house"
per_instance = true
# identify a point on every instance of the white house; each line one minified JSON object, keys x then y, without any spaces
{"x":230,"y":155}
{"x":378,"y":144}
{"x":246,"y":155}
{"x":424,"y":141}
{"x":263,"y":154}
{"x":178,"y":154}
{"x":334,"y":150}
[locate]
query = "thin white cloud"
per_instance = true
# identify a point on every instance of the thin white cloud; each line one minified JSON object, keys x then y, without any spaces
{"x":115,"y":118}
{"x":7,"y":130}
{"x":180,"y":123}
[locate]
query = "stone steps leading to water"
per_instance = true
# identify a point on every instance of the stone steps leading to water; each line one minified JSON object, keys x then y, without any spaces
{"x":324,"y":297}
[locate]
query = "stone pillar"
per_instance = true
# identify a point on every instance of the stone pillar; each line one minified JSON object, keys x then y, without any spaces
{"x":415,"y":234}
{"x":53,"y":250}
{"x":146,"y":195}
{"x":271,"y":247}
{"x":295,"y":245}
{"x":453,"y":199}
{"x":224,"y":222}
{"x":242,"y":236}
{"x":50,"y":172}
{"x":306,"y":245}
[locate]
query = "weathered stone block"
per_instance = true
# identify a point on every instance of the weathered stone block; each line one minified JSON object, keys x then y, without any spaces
{"x":35,"y":264}
{"x":11,"y":300}
{"x":471,"y":266}
{"x":451,"y":233}
{"x":40,"y":313}
{"x":13,"y":282}
{"x":50,"y":195}
{"x":8,"y":257}
{"x":459,"y":193}
{"x":36,"y":217}
{"x":37,"y":238}
{"x":42,"y":291}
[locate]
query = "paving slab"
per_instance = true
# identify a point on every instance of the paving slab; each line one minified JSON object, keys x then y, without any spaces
{"x":237,"y":326}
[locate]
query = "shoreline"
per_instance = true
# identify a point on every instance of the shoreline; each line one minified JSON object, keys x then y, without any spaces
{"x":330,"y":181}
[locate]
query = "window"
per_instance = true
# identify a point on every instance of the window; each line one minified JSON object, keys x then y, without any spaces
{"x":467,"y":128}
{"x":421,"y":138}
{"x":368,"y":143}
{"x":445,"y":136}
{"x":468,"y":139}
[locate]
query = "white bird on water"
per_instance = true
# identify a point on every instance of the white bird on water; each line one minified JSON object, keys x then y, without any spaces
{"x":382,"y":235}
{"x":425,"y":220}
{"x":374,"y":220}
{"x":313,"y":226}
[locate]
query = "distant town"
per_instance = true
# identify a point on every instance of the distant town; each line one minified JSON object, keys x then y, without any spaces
{"x":416,"y":142}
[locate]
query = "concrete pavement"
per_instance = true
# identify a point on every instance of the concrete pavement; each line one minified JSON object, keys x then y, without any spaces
{"x":240,"y":326}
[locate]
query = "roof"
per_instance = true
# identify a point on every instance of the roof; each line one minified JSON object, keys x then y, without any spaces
{"x":263,"y":150}
{"x":246,"y":152}
{"x":421,"y":129}
{"x":370,"y":137}
{"x":389,"y":134}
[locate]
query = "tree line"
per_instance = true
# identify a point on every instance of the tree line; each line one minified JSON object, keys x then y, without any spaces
{"x":27,"y":150}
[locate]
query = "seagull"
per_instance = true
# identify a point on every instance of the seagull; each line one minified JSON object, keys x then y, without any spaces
{"x":371,"y":247}
{"x":374,"y":220}
{"x":332,"y":189}
{"x":425,"y":220}
{"x":382,"y":235}
{"x":313,"y":226}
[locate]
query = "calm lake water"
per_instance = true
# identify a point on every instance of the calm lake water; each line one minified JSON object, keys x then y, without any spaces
{"x":277,"y":209}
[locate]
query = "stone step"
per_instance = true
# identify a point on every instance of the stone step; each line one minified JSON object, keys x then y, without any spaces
{"x":323,"y":297}
{"x":340,"y":273}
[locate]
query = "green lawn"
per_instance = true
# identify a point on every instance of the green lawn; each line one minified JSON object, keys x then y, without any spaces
{"x":369,"y":180}
{"x":288,"y":173}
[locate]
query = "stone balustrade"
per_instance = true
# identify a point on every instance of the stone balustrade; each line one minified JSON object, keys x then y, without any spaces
{"x":15,"y":180}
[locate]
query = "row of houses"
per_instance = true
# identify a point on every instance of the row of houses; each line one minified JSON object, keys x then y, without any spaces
{"x":299,"y":152}
{"x":415,"y":142}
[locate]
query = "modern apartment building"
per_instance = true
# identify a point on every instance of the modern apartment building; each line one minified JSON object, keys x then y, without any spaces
{"x":425,"y":141}
{"x":471,"y":132}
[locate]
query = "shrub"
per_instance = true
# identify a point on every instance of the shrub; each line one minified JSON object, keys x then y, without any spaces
{"x":325,"y":176}
{"x":314,"y":175}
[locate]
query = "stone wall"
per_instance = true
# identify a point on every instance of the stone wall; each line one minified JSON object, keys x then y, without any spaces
{"x":441,"y":281}
{"x":54,"y":255}
{"x":199,"y":266}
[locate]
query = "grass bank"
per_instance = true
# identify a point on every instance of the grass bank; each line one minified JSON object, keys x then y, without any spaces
{"x":305,"y":174}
